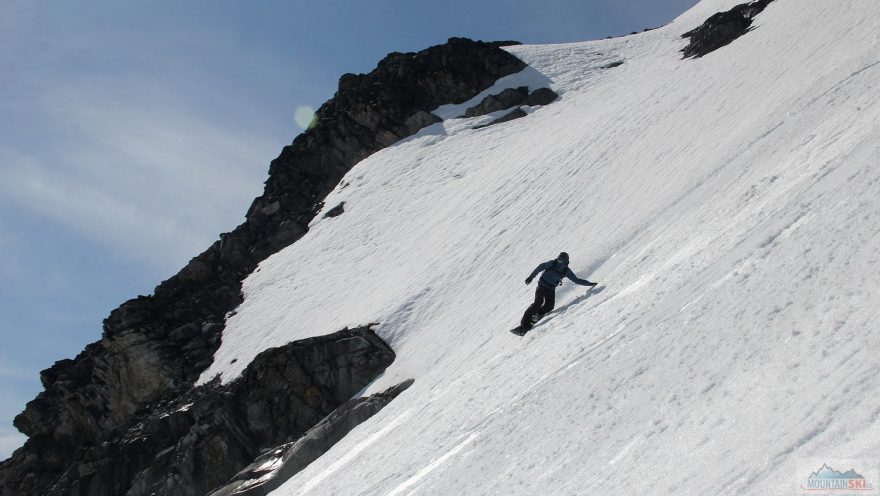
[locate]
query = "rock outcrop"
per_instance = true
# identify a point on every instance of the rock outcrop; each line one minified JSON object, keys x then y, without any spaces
{"x":191,"y":441}
{"x":722,"y":28}
{"x":275,"y":467}
{"x":513,"y":114}
{"x":336,"y":211}
{"x":511,"y":97}
{"x":612,"y":65}
{"x":504,"y":100}
{"x":541,"y":96}
{"x":153,"y":345}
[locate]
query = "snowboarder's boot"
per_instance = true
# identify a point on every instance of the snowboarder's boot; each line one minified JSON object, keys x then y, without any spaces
{"x":528,"y":318}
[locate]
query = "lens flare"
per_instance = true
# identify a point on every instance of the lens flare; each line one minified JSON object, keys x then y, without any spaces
{"x":305,"y":117}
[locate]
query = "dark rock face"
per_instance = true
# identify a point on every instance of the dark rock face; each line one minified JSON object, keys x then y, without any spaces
{"x":155,"y":344}
{"x":274,"y":468}
{"x":504,"y":100}
{"x":722,"y":28}
{"x":612,"y":65}
{"x":336,"y":211}
{"x":192,"y":441}
{"x":512,"y":97}
{"x":541,"y":96}
{"x":520,"y":96}
{"x":513,"y":114}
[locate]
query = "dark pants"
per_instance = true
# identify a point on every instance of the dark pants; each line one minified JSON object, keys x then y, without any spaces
{"x":545,"y":300}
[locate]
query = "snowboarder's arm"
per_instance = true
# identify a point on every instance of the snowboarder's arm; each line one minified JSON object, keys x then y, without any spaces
{"x":577,"y":280}
{"x":541,"y":268}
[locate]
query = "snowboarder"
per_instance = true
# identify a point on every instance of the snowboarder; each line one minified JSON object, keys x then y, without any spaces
{"x":545,"y":295}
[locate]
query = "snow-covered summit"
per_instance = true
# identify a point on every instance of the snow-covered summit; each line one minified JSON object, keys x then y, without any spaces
{"x":727,"y":205}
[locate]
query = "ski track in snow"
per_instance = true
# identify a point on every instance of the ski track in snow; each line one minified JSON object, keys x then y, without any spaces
{"x":727,"y":205}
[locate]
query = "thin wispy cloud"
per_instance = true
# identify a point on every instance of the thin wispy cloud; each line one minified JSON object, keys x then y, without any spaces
{"x":146,"y":156}
{"x":158,"y":183}
{"x":14,"y":373}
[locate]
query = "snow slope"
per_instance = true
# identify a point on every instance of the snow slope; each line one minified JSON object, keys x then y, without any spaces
{"x":728,"y":206}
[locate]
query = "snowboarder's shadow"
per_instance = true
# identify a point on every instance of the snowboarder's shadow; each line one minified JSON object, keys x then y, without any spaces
{"x":564,"y":308}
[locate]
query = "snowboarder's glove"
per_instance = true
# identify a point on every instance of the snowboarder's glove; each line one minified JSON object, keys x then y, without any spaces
{"x":528,"y":280}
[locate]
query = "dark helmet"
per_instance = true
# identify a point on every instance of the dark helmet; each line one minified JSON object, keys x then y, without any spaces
{"x":563,"y":257}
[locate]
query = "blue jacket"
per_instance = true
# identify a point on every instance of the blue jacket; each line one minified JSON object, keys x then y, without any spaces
{"x":553,"y":274}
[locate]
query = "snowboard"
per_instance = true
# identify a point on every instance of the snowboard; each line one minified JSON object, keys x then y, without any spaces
{"x":521,"y":330}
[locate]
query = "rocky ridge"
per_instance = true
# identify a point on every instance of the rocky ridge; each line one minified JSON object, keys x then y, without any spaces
{"x":276,"y":466}
{"x":156,"y":346}
{"x":507,"y":99}
{"x":193,"y":440}
{"x":722,"y":28}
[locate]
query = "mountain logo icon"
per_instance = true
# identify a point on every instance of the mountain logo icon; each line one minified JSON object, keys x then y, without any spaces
{"x":827,"y":472}
{"x":829,"y":479}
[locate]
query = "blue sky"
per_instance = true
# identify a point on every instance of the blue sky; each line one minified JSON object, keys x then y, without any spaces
{"x":133,"y":133}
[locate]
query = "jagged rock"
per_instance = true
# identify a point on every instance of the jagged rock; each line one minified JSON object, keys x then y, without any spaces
{"x":514,"y":114}
{"x":420,"y":119}
{"x":336,"y":211}
{"x":612,"y":65}
{"x":541,"y":96}
{"x":509,"y":98}
{"x":722,"y":28}
{"x":276,"y":466}
{"x":148,"y":348}
{"x":504,"y":100}
{"x":193,"y":440}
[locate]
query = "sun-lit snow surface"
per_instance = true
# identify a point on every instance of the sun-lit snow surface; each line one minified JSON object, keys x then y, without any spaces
{"x":730,"y":206}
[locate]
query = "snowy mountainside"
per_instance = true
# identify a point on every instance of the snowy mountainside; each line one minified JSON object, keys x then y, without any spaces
{"x":727,"y":205}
